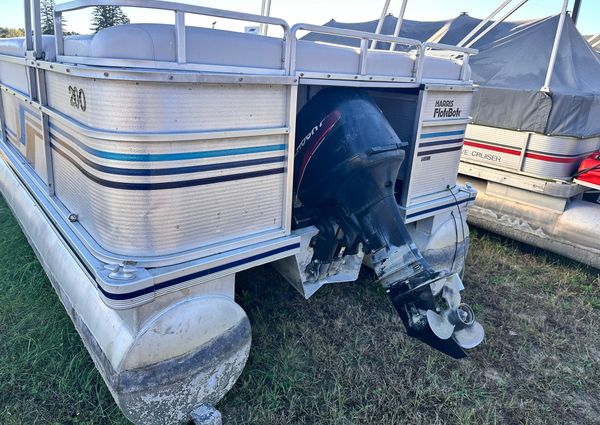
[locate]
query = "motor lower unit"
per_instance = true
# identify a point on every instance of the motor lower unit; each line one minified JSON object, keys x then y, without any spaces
{"x":347,"y":161}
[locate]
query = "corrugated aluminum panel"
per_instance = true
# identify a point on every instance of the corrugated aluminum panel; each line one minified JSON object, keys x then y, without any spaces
{"x":438,"y":142}
{"x":132,"y":106}
{"x":152,"y":196}
{"x":526,"y":152}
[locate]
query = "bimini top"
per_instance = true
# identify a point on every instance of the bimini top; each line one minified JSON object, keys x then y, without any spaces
{"x":511,"y":71}
{"x":511,"y":68}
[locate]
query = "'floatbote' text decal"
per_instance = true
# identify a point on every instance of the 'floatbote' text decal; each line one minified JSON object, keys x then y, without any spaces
{"x":445,"y":109}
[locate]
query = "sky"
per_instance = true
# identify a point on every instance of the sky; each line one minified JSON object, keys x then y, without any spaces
{"x":321,"y":11}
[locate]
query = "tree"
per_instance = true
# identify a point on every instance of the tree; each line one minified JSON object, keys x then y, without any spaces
{"x":47,"y":18}
{"x":107,"y":16}
{"x":47,"y":12}
{"x":11,"y":32}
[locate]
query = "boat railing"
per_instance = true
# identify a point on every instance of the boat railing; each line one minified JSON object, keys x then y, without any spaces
{"x":363,"y":36}
{"x":289,"y":45}
{"x":180,"y":10}
{"x":369,"y":38}
{"x":449,"y":49}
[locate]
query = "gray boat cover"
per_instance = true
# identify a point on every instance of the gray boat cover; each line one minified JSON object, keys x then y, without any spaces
{"x":510,"y":70}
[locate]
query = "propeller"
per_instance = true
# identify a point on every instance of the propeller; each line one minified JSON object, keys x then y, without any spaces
{"x":457,"y":320}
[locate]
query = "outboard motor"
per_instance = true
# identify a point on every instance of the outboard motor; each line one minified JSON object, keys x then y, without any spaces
{"x":347,"y":160}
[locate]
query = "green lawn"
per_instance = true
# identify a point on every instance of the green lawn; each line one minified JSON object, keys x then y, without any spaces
{"x":342,"y":357}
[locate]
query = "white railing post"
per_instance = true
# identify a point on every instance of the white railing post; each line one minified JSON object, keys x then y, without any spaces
{"x":557,"y":38}
{"x":28,"y":27}
{"x":464,"y":71}
{"x":362,"y":59}
{"x":37,"y":29}
{"x":180,"y":31}
{"x":31,"y":33}
{"x":59,"y":41}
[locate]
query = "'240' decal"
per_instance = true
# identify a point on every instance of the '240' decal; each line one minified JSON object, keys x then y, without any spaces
{"x":77,"y":98}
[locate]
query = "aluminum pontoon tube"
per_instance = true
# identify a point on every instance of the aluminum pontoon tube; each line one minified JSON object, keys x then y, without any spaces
{"x":573,"y":233}
{"x":160,"y":361}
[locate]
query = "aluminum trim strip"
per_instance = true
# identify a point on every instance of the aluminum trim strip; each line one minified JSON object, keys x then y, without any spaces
{"x":158,"y":75}
{"x":202,"y":273}
{"x":163,"y":65}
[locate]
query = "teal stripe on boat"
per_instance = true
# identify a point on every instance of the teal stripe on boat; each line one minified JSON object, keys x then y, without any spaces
{"x":442,"y":134}
{"x":149,"y":157}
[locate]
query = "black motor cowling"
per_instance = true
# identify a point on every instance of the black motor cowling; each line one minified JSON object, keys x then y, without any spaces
{"x":346,"y":163}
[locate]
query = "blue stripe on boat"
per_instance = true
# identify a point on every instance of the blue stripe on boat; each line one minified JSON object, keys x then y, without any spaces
{"x":440,"y":142}
{"x":132,"y":157}
{"x":57,"y":144}
{"x":441,"y":207}
{"x":171,"y":184}
{"x":442,"y":134}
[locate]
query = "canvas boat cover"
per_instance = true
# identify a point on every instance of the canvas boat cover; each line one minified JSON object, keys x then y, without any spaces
{"x":510,"y":70}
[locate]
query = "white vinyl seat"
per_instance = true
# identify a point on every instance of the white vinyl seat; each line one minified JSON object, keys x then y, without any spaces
{"x":156,"y":42}
{"x":75,"y":45}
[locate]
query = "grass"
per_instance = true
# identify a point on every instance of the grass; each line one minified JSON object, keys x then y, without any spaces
{"x":341,"y":357}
